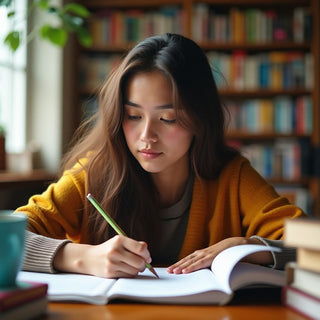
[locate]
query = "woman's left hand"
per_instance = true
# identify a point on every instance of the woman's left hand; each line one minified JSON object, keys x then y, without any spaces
{"x":203,"y":258}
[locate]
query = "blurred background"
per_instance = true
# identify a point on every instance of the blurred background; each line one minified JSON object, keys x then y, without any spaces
{"x":264,"y":54}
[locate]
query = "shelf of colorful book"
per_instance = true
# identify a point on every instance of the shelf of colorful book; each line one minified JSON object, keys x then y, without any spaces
{"x":252,"y":47}
{"x":253,"y":3}
{"x":258,"y":74}
{"x":243,"y":21}
{"x":259,"y":93}
{"x":262,"y":137}
{"x":129,"y":25}
{"x":281,"y":159}
{"x":208,"y":46}
{"x":225,"y":93}
{"x":98,"y":4}
{"x":283,"y":115}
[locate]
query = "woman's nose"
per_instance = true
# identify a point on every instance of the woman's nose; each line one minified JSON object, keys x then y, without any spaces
{"x":149,"y":133}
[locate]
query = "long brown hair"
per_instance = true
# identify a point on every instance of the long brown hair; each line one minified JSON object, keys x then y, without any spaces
{"x":115,"y":178}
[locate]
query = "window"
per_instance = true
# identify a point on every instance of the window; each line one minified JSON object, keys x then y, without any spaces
{"x":13,"y":81}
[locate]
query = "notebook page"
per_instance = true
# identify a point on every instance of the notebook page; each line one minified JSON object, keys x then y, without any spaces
{"x":168,"y":285}
{"x":68,"y":286}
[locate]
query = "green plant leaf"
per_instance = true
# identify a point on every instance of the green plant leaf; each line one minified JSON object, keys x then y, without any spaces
{"x":13,"y":40}
{"x":11,"y":14}
{"x":84,"y":37}
{"x":55,"y":35}
{"x":6,"y":3}
{"x":43,"y":4}
{"x":2,"y":131}
{"x":72,"y":23}
{"x":77,"y":9}
{"x":71,"y":17}
{"x":53,"y":10}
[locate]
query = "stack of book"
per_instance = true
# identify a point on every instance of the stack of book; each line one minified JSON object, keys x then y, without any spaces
{"x":27,"y":300}
{"x":302,"y":290}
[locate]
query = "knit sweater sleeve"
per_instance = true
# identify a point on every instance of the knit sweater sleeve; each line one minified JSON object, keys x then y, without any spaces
{"x":55,"y":218}
{"x":40,"y":252}
{"x":262,"y":209}
{"x":58,"y":212}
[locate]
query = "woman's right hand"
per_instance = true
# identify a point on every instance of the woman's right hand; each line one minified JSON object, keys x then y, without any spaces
{"x":117,"y":257}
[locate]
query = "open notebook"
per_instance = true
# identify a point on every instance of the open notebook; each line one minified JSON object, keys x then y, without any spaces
{"x":206,"y":286}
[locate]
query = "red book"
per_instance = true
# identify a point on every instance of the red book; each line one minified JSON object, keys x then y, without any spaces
{"x":21,"y":294}
{"x":301,"y":302}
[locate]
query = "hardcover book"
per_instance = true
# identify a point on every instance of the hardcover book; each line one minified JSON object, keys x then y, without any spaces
{"x":302,"y":233}
{"x":309,"y":259}
{"x":23,"y":292}
{"x":303,"y":279}
{"x":301,"y":302}
{"x":26,"y":300}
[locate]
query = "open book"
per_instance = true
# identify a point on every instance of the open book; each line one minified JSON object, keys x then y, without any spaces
{"x":206,"y":286}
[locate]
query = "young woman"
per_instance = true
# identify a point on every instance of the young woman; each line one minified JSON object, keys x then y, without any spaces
{"x":155,"y":157}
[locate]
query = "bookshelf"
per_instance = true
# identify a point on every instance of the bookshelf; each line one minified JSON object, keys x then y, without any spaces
{"x":269,"y":54}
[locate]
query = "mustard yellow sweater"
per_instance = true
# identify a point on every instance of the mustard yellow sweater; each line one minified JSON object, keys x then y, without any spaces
{"x":238,"y":203}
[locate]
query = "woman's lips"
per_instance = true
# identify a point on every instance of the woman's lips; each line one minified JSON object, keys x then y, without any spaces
{"x":149,"y":154}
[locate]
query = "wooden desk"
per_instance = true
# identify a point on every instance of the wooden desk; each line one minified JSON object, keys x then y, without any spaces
{"x":125,"y":311}
{"x":261,"y":305}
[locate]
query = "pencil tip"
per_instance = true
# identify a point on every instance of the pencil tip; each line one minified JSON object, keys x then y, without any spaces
{"x":154,"y":272}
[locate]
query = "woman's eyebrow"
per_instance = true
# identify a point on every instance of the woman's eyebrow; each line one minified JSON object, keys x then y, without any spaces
{"x":164,"y":106}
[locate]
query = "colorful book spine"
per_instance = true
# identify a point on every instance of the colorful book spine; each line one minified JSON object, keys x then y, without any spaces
{"x":282,"y":115}
{"x":250,"y":25}
{"x":274,"y":70}
{"x":282,"y":160}
{"x":118,"y":27}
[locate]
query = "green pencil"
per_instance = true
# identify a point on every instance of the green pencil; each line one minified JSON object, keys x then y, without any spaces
{"x":114,"y":225}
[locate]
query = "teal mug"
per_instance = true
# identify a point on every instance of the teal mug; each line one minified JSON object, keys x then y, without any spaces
{"x":12,"y":233}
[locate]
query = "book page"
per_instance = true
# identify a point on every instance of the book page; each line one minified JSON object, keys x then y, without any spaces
{"x":225,"y":261}
{"x":253,"y":275}
{"x":72,"y":287}
{"x":170,"y":287}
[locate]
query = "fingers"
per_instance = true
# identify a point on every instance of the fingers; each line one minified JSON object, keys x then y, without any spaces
{"x":139,"y":248}
{"x":118,"y":269}
{"x":124,"y":257}
{"x":203,"y":258}
{"x":198,"y":260}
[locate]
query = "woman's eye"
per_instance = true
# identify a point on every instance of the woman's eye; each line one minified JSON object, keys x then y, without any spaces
{"x":168,"y":120}
{"x":132,"y":117}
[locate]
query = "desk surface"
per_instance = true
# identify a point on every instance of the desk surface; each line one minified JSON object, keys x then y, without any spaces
{"x":248,"y":304}
{"x":119,"y":311}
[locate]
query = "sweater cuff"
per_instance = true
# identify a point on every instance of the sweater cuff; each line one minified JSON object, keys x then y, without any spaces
{"x":40,"y":252}
{"x":280,"y":259}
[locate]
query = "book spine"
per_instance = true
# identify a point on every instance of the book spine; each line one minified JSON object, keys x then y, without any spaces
{"x":283,"y":114}
{"x":274,"y":70}
{"x":14,"y":298}
{"x":250,"y":25}
{"x":301,"y":302}
{"x":309,"y":259}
